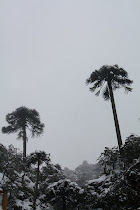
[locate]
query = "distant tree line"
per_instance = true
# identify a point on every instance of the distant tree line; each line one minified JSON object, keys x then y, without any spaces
{"x":36,"y":183}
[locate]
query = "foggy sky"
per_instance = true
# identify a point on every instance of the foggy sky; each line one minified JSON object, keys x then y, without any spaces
{"x":48,"y":50}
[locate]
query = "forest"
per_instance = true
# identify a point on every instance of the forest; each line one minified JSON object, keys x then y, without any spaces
{"x":34,"y":182}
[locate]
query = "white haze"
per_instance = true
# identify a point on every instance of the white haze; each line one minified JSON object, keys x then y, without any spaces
{"x":48,"y":50}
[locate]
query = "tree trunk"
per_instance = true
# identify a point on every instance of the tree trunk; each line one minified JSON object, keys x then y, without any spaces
{"x":36,"y":185}
{"x":64,"y":202}
{"x":115,"y":116}
{"x":24,"y":142}
{"x":24,"y":153}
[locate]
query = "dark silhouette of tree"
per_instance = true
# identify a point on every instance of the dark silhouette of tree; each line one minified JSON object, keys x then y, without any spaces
{"x":38,"y":158}
{"x":112,"y":77}
{"x":22,"y":119}
{"x":131,"y":149}
{"x":65,"y":195}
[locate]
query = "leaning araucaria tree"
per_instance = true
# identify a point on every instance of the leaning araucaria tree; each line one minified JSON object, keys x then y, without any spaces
{"x":22,"y":119}
{"x":110,"y":78}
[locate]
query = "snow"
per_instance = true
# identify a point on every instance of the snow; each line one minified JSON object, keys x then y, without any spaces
{"x":30,"y":183}
{"x":1,"y":175}
{"x":100,"y":179}
{"x":24,"y":204}
{"x":52,"y":185}
{"x":2,"y":180}
{"x":106,"y":190}
{"x":73,"y":184}
{"x":81,"y":191}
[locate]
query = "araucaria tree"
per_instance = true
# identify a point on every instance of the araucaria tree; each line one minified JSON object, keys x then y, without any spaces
{"x":22,"y":119}
{"x":110,"y":78}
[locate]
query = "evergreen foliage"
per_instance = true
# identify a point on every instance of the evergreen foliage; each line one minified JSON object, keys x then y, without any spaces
{"x":22,"y":119}
{"x":39,"y":184}
{"x":64,"y":194}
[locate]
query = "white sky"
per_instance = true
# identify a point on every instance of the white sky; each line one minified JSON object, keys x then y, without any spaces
{"x":48,"y":50}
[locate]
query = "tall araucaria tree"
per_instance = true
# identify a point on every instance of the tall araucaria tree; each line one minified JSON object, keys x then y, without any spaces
{"x":110,"y":78}
{"x":22,"y":119}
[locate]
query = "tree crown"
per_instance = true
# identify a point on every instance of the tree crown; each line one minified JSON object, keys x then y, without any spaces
{"x":23,"y":118}
{"x":112,"y":75}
